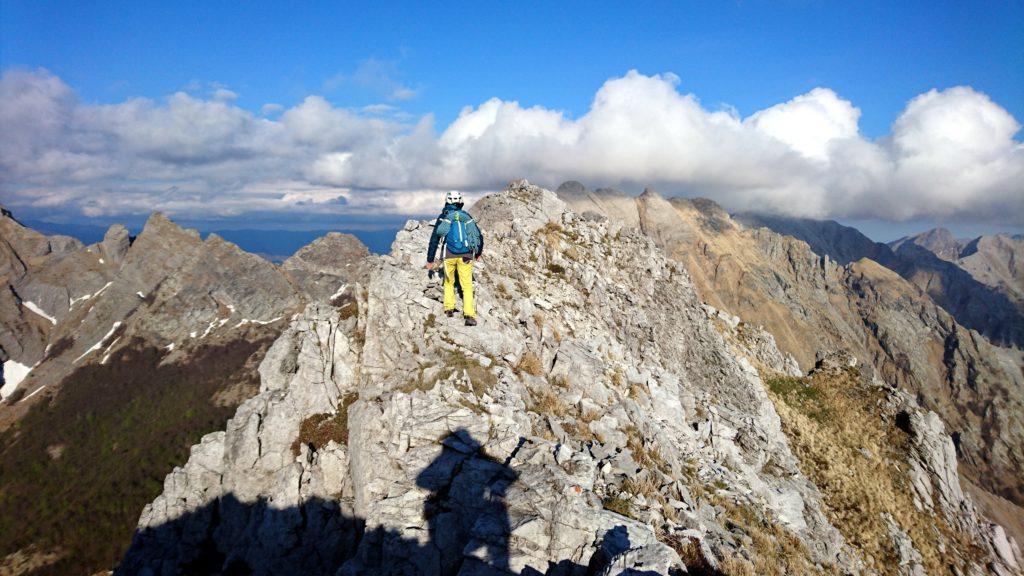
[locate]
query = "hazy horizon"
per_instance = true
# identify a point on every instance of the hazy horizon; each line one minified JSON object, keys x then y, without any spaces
{"x":377,"y":235}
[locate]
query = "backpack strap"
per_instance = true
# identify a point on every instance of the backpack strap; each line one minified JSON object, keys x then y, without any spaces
{"x":442,"y":245}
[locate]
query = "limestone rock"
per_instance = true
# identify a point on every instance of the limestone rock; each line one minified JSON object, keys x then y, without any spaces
{"x":603,"y":432}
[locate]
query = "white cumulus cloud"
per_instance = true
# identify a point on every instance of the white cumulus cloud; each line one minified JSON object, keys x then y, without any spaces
{"x":810,"y":122}
{"x":951,"y":154}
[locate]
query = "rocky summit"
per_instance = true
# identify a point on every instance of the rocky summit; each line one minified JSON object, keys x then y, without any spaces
{"x":601,"y":419}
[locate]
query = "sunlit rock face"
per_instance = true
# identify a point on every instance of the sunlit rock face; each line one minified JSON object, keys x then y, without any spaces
{"x":600,"y":419}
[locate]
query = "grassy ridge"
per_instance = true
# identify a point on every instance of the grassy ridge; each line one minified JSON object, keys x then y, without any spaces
{"x":76,"y":472}
{"x":857,"y":453}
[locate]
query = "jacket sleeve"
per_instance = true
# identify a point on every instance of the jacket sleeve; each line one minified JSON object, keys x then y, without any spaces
{"x":432,"y":247}
{"x":480,"y":248}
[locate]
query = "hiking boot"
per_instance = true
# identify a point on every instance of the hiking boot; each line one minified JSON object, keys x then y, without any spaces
{"x":449,"y":313}
{"x":470,"y":321}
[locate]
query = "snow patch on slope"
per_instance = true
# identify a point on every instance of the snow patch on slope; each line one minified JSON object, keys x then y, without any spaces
{"x":97,"y":345}
{"x":213,"y":324}
{"x":14,"y":373}
{"x":340,"y":291}
{"x":73,"y":301}
{"x":260,"y":322}
{"x":109,"y":348}
{"x":39,"y":311}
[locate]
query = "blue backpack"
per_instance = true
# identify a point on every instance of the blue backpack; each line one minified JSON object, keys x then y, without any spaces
{"x":460,"y":232}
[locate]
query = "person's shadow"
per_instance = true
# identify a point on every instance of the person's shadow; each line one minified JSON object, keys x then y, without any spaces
{"x":466,"y":512}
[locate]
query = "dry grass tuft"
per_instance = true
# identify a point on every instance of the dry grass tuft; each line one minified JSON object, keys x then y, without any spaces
{"x":547,"y":402}
{"x":618,"y":505}
{"x":530,"y":364}
{"x":538,"y":320}
{"x":637,"y":391}
{"x":670,"y":513}
{"x":646,"y":456}
{"x":776,"y":551}
{"x":736,"y":566}
{"x":346,"y":304}
{"x":550,"y":234}
{"x":692,"y":556}
{"x":455,"y":363}
{"x":481,"y":379}
{"x":579,"y":430}
{"x":556,"y":269}
{"x":618,"y":378}
{"x":420,"y":383}
{"x":318,"y":430}
{"x":646,"y":487}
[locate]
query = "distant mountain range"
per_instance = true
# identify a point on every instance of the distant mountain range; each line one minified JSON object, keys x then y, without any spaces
{"x":818,"y":284}
{"x":274,"y":245}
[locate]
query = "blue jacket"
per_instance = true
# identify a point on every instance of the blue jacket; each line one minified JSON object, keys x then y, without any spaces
{"x":434,"y":240}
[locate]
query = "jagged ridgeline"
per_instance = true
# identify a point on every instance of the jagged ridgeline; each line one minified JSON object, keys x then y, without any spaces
{"x":116,"y":358}
{"x":601,"y":419}
{"x":827,"y":286}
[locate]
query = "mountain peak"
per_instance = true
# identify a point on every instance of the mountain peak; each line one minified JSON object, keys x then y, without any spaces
{"x":115,"y":243}
{"x":939,"y":241}
{"x":571,"y":187}
{"x":650,"y":193}
{"x":709,"y":207}
{"x":317,"y":266}
{"x":158,"y":224}
{"x":938,"y":233}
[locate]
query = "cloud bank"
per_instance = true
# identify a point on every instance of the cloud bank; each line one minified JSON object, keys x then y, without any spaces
{"x":951,"y":154}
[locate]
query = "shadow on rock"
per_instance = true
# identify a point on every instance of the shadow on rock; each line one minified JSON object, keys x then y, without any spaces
{"x":468,"y":534}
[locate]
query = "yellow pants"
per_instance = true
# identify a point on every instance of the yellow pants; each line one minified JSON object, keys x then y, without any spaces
{"x":465,"y":271}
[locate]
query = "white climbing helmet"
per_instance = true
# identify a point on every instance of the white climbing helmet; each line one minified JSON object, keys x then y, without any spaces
{"x":453,"y":197}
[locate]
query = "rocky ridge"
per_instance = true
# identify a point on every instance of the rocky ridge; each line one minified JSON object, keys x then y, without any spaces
{"x":600,"y":420}
{"x":981,"y":287}
{"x":996,"y":260}
{"x":809,"y":302}
{"x":168,"y":286}
{"x":146,"y":342}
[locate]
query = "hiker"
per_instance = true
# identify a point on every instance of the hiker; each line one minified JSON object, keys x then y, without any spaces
{"x":463,"y":243}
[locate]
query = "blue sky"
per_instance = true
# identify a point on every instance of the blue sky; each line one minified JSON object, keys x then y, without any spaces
{"x":745,"y":54}
{"x":829,"y":109}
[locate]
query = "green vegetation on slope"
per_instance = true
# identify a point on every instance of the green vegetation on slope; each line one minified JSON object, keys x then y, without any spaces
{"x":76,"y":472}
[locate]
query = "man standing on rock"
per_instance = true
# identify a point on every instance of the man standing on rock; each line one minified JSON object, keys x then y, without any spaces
{"x":463,"y":243}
